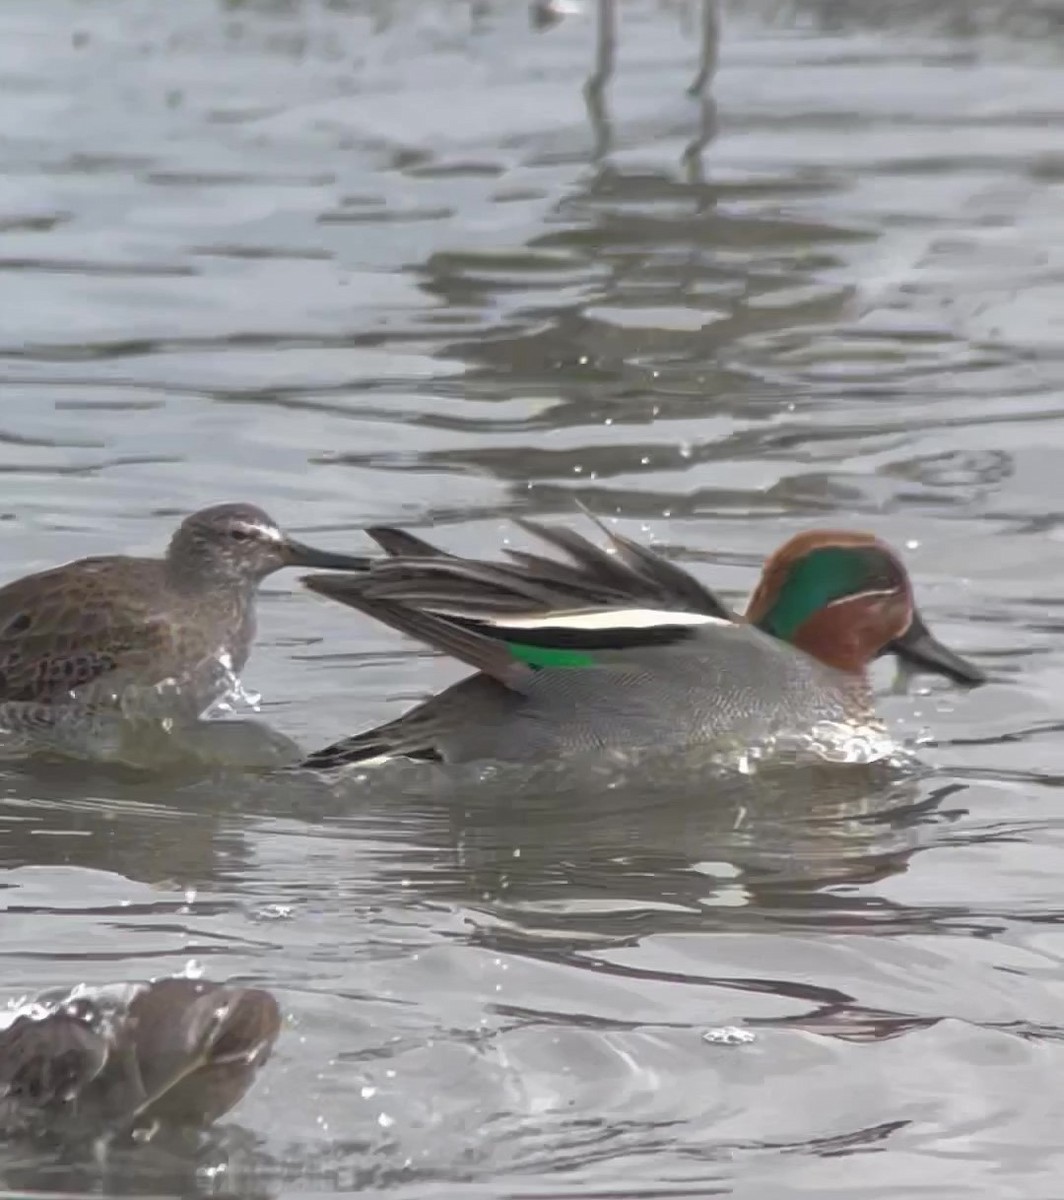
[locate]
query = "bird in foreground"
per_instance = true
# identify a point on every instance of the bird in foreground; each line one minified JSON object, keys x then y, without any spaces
{"x":172,"y":1052}
{"x":622,"y":649}
{"x":117,"y":632}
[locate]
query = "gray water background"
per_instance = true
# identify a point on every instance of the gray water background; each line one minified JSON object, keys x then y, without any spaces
{"x":380,"y":262}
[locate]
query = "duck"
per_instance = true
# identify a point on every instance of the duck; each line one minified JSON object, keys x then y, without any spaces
{"x":620,"y":649}
{"x":118,"y":1058}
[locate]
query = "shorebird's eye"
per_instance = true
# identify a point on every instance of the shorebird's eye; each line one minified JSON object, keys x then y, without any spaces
{"x":240,"y":534}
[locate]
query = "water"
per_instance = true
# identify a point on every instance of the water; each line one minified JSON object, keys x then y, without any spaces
{"x":379,"y":262}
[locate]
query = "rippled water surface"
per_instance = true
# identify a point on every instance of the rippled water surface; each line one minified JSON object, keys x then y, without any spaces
{"x":383,"y":262}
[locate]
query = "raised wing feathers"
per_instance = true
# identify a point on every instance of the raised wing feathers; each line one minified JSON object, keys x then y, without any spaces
{"x":453,"y":637}
{"x":505,"y":618}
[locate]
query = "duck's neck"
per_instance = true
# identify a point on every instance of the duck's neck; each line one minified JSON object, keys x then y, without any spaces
{"x":845,"y":636}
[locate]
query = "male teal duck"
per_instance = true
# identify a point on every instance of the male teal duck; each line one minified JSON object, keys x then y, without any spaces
{"x":621,"y":649}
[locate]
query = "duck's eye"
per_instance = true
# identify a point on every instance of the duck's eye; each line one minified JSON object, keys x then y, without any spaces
{"x":240,"y":535}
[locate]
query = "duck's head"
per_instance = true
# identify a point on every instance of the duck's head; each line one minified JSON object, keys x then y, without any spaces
{"x":845,"y":598}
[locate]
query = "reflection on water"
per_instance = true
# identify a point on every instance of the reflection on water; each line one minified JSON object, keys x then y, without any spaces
{"x":420,"y":263}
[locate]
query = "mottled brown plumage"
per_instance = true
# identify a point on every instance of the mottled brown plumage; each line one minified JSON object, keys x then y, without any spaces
{"x":176,"y":1052}
{"x":144,"y":635}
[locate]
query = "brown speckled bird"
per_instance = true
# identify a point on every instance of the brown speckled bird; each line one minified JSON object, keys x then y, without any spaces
{"x":124,"y":1057}
{"x":147,"y":636}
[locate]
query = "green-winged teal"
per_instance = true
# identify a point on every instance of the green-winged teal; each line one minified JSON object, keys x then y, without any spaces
{"x":123,"y":1057}
{"x":623,"y":649}
{"x":114,"y":632}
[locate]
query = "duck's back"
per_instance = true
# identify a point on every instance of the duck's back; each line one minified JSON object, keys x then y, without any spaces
{"x":734,"y":686}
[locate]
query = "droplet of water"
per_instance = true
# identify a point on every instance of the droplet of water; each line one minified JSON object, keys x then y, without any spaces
{"x":212,"y":1172}
{"x":145,"y":1133}
{"x":728,"y":1035}
{"x":272,"y":912}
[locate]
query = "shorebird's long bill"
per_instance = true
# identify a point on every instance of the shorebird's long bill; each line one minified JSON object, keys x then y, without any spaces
{"x":922,"y":650}
{"x":299,"y":554}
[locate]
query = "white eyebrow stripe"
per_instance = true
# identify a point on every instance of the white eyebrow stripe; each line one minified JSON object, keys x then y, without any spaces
{"x":269,"y":533}
{"x":861,"y":596}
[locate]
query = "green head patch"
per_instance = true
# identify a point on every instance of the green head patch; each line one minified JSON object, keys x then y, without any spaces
{"x":823,"y":576}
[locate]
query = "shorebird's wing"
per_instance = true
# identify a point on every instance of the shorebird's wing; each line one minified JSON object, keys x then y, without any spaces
{"x":69,"y":627}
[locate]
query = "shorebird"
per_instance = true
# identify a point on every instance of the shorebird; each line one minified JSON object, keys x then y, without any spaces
{"x":144,"y":636}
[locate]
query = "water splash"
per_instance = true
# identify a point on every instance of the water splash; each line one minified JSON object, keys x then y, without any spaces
{"x":827,"y":741}
{"x":840,"y":741}
{"x":98,"y":1006}
{"x":235,"y":697}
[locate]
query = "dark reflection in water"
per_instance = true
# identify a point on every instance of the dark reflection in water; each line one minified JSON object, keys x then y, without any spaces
{"x":420,"y":263}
